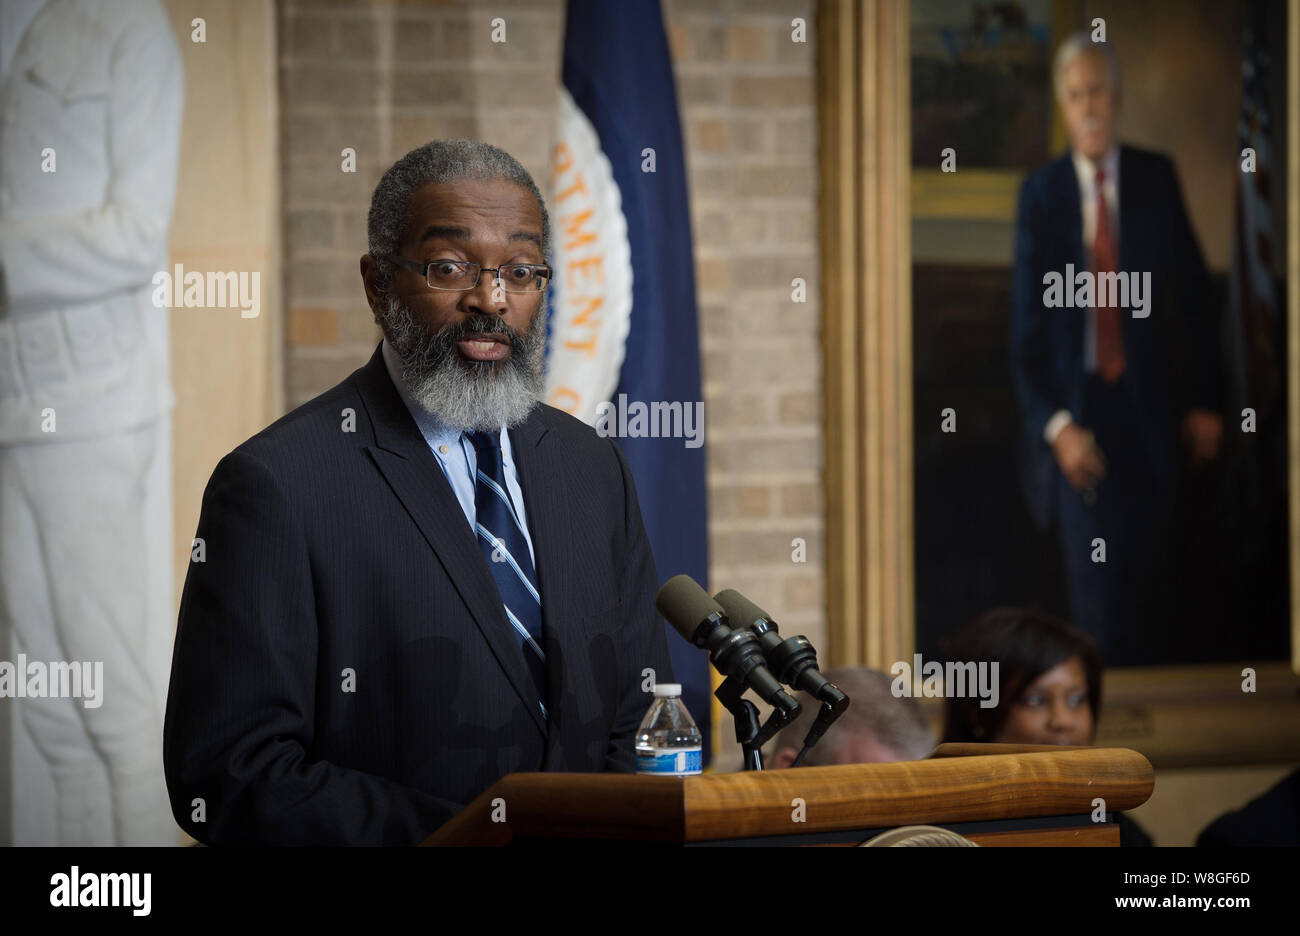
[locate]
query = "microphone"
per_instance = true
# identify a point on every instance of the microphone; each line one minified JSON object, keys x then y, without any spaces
{"x":734,"y":652}
{"x":794,"y":661}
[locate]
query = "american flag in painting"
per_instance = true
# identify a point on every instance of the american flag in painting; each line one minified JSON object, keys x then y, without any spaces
{"x":1253,"y":325}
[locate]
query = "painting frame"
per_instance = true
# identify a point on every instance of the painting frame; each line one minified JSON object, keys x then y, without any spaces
{"x":1177,"y":715}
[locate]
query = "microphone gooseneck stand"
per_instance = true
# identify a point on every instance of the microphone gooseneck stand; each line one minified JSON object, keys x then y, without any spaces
{"x":793,"y":661}
{"x":748,"y":733}
{"x":738,"y":656}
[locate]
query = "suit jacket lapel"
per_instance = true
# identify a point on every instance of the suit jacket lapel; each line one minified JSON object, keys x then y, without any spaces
{"x":1067,"y":185}
{"x":1129,"y":200}
{"x":1130,"y":194}
{"x":1067,"y":195}
{"x":412,"y":471}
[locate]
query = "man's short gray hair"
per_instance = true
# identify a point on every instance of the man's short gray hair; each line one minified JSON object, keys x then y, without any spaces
{"x":441,"y":161}
{"x":1081,"y":43}
{"x":898,"y":723}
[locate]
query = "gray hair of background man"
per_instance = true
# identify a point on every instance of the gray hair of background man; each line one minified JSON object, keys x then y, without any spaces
{"x":1080,"y":43}
{"x":441,"y":161}
{"x":897,"y":723}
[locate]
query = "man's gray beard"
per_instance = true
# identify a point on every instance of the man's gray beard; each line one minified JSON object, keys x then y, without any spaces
{"x":468,"y":396}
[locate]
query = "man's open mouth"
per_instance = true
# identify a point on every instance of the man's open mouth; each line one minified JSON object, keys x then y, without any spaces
{"x":485,"y":348}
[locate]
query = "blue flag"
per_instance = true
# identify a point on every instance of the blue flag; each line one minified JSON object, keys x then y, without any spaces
{"x":624,"y":346}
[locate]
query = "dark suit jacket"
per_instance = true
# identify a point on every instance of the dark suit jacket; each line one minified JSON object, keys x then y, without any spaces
{"x":1272,"y":818}
{"x":1171,"y":356}
{"x":336,"y":553}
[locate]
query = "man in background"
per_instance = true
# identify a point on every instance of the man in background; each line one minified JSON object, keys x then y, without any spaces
{"x":877,"y":727}
{"x":1105,"y":394}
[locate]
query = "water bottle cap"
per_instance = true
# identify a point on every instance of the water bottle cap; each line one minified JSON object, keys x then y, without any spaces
{"x":668,"y":689}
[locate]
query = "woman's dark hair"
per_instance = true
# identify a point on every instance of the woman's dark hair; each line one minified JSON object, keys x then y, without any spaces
{"x":1025,"y":644}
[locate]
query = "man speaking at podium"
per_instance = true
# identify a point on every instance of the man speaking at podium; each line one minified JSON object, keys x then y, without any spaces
{"x":423,"y":579}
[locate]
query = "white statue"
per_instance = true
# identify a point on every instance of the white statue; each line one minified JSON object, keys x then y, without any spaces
{"x":92,"y":94}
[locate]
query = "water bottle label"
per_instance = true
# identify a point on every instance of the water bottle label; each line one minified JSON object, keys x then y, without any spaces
{"x":670,"y":762}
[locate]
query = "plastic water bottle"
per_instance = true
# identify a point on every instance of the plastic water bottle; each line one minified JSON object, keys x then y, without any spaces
{"x":668,"y":744}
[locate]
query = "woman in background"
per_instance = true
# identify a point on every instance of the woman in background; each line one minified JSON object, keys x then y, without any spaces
{"x":1049,"y":684}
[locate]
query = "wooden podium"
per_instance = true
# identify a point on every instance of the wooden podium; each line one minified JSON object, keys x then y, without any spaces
{"x":993,"y":794}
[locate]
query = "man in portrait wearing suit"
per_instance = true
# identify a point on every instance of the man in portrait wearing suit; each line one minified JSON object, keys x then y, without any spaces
{"x":423,"y":579}
{"x":1105,"y":395}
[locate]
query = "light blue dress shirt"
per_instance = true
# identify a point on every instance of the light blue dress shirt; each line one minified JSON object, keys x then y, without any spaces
{"x":457,"y":456}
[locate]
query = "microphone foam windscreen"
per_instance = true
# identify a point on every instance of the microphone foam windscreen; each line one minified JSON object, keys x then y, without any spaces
{"x":685,"y":604}
{"x":741,"y":612}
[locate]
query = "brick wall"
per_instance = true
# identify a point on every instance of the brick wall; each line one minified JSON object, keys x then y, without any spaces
{"x":385,"y":77}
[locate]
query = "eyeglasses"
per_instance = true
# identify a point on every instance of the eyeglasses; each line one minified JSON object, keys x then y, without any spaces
{"x":461,"y":275}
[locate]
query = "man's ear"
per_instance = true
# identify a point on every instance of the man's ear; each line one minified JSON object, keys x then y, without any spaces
{"x":376,"y":296}
{"x":784,"y":758}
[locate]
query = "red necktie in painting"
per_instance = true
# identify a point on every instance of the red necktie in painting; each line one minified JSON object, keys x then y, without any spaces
{"x":1105,"y":259}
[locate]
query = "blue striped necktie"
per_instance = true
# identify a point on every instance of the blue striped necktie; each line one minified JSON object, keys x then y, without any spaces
{"x":501,"y":537}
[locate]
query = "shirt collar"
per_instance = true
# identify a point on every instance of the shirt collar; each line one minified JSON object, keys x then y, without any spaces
{"x":1086,"y":169}
{"x":434,"y":430}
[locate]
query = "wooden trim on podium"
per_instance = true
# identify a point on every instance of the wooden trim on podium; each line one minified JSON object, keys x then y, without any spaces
{"x":865,"y":155}
{"x":1006,"y":791}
